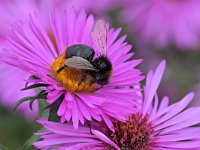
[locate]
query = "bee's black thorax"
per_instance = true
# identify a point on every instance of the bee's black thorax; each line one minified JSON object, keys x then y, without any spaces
{"x":80,"y":50}
{"x":102,"y":64}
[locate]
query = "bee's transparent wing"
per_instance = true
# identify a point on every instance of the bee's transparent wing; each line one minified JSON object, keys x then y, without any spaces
{"x":99,"y":36}
{"x":79,"y":63}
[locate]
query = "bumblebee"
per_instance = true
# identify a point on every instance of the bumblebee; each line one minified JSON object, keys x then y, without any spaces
{"x":81,"y":57}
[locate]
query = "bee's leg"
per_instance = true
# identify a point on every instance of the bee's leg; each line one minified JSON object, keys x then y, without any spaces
{"x":61,"y":69}
{"x":89,"y":125}
{"x":83,"y":77}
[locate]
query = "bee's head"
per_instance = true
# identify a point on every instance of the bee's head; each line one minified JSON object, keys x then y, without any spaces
{"x":102,"y":64}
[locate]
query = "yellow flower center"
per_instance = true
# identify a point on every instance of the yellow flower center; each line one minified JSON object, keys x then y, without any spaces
{"x":70,"y":77}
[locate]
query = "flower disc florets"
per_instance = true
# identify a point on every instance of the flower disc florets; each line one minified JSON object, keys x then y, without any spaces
{"x":132,"y":135}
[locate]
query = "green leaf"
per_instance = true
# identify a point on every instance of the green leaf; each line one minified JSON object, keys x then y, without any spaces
{"x":41,"y":94}
{"x":23,"y":100}
{"x":34,"y":138}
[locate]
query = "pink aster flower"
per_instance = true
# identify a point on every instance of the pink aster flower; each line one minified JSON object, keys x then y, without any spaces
{"x":156,"y":126}
{"x":41,"y":52}
{"x":165,"y":22}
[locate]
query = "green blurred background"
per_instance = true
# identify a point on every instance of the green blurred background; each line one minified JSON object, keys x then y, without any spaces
{"x":14,"y":130}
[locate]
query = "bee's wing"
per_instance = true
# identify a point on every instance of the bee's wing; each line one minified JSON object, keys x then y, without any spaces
{"x":79,"y":63}
{"x":99,"y":36}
